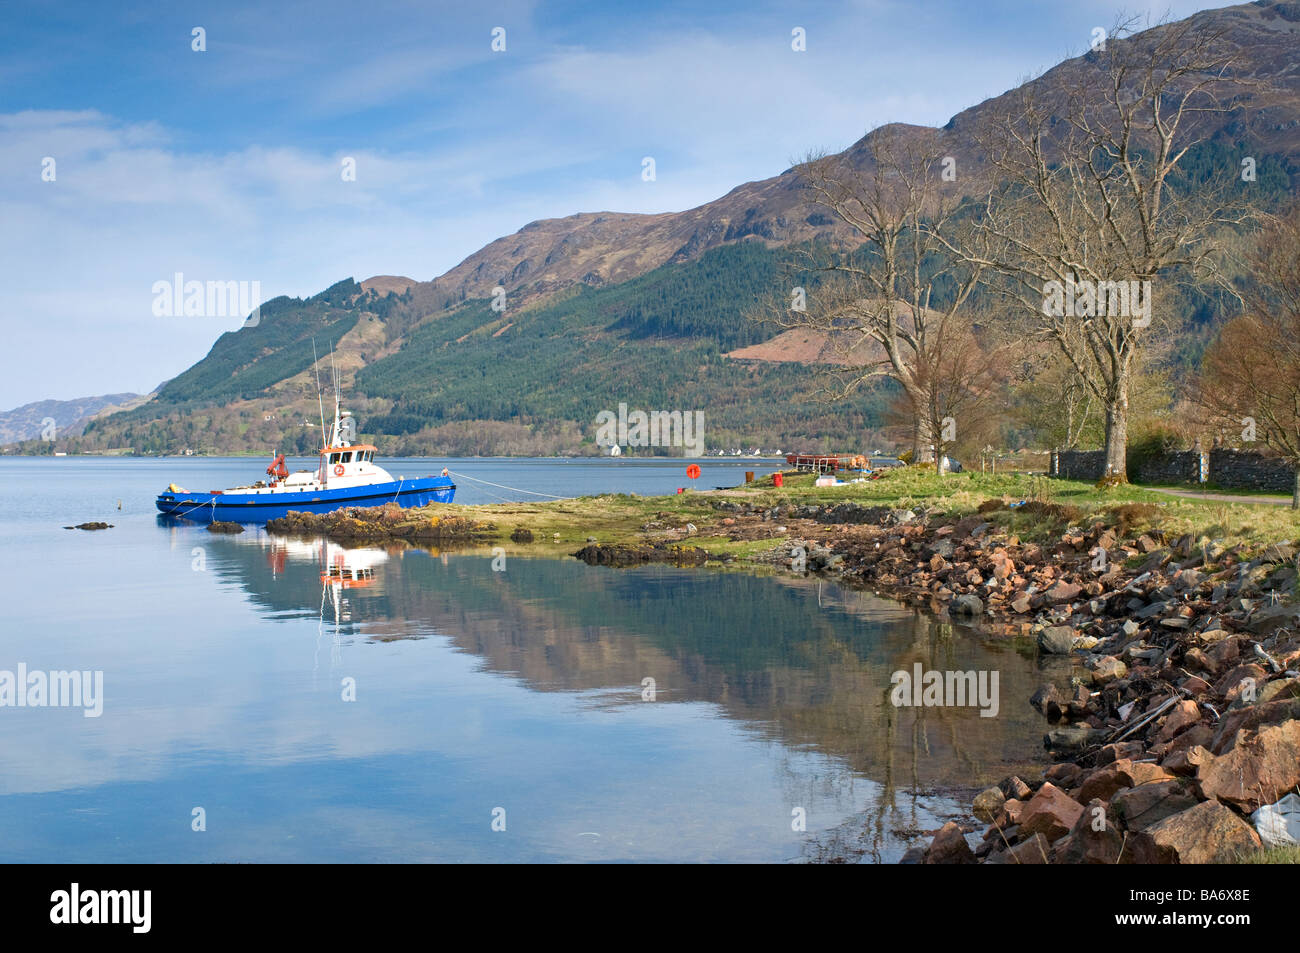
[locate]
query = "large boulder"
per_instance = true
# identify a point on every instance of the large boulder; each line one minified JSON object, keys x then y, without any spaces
{"x":988,"y":804}
{"x":1251,"y":717}
{"x":1185,"y":762}
{"x":1208,"y":833}
{"x":1106,"y":669}
{"x":1101,"y":784}
{"x":1050,"y":812}
{"x":1193,"y":737}
{"x":1147,"y":804}
{"x":1056,"y":640}
{"x":1257,"y":770}
{"x":1133,"y":773}
{"x":949,"y":847}
{"x":1095,"y":839}
{"x":1062,"y":592}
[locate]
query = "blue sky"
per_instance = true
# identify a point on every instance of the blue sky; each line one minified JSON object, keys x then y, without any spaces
{"x":225,"y":164}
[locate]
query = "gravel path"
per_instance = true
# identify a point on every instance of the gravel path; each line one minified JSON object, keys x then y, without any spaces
{"x":1223,"y":497}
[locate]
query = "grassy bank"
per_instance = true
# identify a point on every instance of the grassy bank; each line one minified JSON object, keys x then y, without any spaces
{"x":622,"y":518}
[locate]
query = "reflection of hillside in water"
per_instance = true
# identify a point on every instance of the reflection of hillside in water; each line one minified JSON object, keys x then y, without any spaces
{"x":799,"y":661}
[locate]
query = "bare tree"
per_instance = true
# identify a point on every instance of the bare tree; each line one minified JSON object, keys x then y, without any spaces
{"x":1087,"y":211}
{"x":880,"y":295}
{"x":961,"y":384}
{"x":1250,"y":376}
{"x":1050,"y":398}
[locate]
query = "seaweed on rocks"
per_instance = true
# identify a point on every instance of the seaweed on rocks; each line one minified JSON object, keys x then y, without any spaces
{"x":379,"y":523}
{"x":622,"y":556}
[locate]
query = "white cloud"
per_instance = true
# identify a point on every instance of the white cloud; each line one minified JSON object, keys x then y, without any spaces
{"x":548,"y":130}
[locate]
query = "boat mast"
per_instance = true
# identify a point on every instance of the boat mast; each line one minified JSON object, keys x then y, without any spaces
{"x":320,"y":400}
{"x":335,"y":435}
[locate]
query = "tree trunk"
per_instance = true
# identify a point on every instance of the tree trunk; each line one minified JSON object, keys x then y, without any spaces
{"x":1117,"y":436}
{"x":922,"y":440}
{"x":1295,"y":491}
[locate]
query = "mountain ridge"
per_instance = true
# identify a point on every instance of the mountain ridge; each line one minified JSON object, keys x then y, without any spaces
{"x":28,"y":421}
{"x":592,"y":299}
{"x":771,"y":209}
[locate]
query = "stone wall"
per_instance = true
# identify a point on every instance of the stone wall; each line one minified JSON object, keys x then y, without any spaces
{"x":1248,"y":470}
{"x":1078,"y":464}
{"x":1230,"y":469}
{"x":1180,"y":466}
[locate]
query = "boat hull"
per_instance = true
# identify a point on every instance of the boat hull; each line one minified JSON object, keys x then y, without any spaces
{"x":260,"y":507}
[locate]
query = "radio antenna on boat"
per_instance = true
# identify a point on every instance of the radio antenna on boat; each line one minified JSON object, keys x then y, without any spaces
{"x":334,"y":376}
{"x":320,"y":400}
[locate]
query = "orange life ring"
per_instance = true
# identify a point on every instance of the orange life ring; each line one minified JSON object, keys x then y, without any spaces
{"x":338,"y":469}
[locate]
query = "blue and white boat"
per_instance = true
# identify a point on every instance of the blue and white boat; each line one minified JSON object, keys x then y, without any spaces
{"x":347,"y":476}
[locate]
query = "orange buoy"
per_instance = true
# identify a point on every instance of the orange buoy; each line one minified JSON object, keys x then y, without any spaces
{"x":693,"y":471}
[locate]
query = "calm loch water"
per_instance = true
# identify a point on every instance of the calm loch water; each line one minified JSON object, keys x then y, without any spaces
{"x":309,"y":702}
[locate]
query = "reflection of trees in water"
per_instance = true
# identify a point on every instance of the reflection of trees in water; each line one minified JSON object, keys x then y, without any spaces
{"x":759,"y":647}
{"x":802,"y":663}
{"x":902,"y":806}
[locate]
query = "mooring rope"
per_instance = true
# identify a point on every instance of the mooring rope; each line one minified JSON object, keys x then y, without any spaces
{"x":513,"y":489}
{"x":212,"y":502}
{"x":498,"y":497}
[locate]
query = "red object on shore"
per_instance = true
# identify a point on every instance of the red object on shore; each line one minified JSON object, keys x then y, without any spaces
{"x":693,"y":471}
{"x":778,"y":479}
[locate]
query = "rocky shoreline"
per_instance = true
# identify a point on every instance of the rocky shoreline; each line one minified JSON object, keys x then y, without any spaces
{"x":1181,"y":727}
{"x":1185,"y":719}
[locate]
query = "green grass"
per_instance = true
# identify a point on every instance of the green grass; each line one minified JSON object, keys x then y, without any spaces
{"x":619,"y":518}
{"x":1271,"y":855}
{"x":958,"y":494}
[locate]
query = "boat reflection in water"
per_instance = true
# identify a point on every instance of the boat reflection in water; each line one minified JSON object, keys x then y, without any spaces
{"x":345,"y":573}
{"x":351,"y":568}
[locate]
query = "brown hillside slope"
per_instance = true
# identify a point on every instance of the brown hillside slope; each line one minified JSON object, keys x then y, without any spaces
{"x":597,"y":248}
